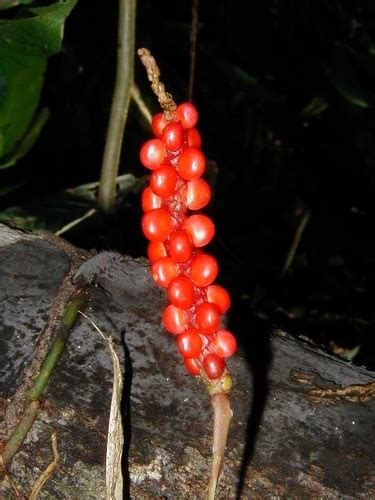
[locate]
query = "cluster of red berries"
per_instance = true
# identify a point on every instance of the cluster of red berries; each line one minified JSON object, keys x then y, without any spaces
{"x":176,"y":237}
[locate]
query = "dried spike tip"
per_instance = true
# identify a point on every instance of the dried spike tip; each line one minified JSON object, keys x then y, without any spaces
{"x":153,"y":73}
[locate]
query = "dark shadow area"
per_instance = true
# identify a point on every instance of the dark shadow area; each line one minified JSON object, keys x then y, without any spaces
{"x":255,"y":341}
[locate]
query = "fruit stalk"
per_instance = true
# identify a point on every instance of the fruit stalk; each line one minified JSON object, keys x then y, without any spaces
{"x":178,"y":231}
{"x":222,"y":417}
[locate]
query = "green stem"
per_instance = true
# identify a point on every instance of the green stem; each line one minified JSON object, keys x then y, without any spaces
{"x":57,"y":347}
{"x":42,"y":379}
{"x":120,"y":105}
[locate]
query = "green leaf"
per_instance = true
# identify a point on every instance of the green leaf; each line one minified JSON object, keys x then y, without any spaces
{"x":21,"y":81}
{"x":25,"y":45}
{"x":38,"y":34}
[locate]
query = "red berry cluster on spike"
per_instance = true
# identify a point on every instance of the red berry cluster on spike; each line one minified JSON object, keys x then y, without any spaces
{"x":177,"y":237}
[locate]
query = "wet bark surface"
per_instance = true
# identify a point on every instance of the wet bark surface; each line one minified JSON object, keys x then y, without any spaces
{"x":287,"y":438}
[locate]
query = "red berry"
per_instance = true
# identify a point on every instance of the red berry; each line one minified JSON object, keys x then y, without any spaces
{"x":163,"y":181}
{"x":201,"y":229}
{"x":174,"y":319}
{"x":189,"y":343}
{"x":213,"y":366}
{"x":164,"y":271}
{"x":156,"y":250}
{"x":219,"y":296}
{"x":153,"y":153}
{"x":158,"y":124}
{"x":191,"y":163}
{"x":180,"y":246}
{"x":187,"y":114}
{"x":157,"y":224}
{"x":204,"y":270}
{"x":207,"y":317}
{"x":224,"y":343}
{"x":192,"y":366}
{"x":198,"y":194}
{"x":194,"y":139}
{"x":173,"y":136}
{"x":150,"y":200}
{"x":181,"y":292}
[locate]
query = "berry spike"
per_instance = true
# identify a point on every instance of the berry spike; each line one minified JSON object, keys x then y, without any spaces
{"x":177,"y":234}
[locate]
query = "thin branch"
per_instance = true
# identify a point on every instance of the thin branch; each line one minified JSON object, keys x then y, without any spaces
{"x":304,"y":219}
{"x":137,"y":98}
{"x":120,"y":105}
{"x":193,"y":46}
{"x":75,"y":222}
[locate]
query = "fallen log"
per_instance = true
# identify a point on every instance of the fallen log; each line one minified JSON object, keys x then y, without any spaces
{"x":303,"y":419}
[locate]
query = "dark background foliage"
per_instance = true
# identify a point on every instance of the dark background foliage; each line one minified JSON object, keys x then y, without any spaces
{"x":285,"y":91}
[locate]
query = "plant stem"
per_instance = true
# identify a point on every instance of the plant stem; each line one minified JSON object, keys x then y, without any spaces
{"x":32,"y":409}
{"x":75,"y":222}
{"x":193,"y":46}
{"x":137,"y":98}
{"x":67,"y":321}
{"x":120,"y":105}
{"x":304,"y":219}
